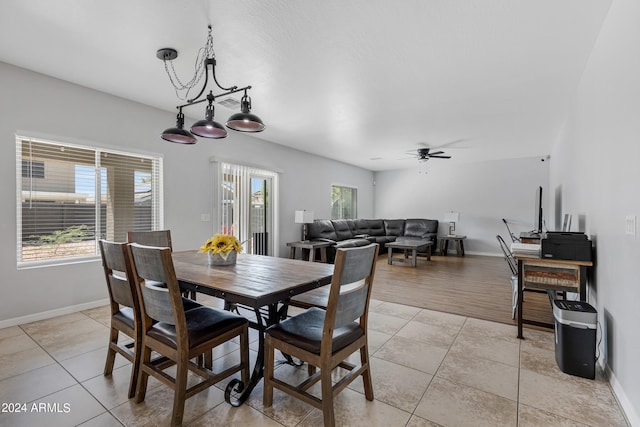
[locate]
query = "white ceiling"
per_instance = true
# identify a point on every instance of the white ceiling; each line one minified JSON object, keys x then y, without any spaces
{"x":360,"y":81}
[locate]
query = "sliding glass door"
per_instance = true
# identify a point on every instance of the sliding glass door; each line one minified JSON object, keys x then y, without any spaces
{"x":247,"y":206}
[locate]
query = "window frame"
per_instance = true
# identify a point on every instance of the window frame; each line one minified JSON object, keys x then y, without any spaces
{"x":348,"y":187}
{"x":157,"y":196}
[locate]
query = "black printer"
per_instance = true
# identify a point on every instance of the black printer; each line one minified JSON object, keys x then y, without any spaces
{"x":572,"y":246}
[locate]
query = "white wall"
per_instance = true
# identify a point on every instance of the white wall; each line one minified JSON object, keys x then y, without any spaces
{"x":483,"y":193}
{"x":42,"y":106}
{"x":595,"y":169}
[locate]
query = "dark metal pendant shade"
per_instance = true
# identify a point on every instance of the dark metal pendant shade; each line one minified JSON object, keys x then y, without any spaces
{"x":245,"y":121}
{"x":208,"y":128}
{"x":178,"y":134}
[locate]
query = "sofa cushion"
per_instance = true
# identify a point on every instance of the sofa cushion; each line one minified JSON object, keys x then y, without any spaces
{"x":352,"y":243}
{"x":321,"y":229}
{"x":376,"y":227}
{"x":362,"y":226}
{"x":419,"y":227}
{"x":381,"y":240}
{"x":342,"y":229}
{"x":352,"y":226}
{"x":394,"y":227}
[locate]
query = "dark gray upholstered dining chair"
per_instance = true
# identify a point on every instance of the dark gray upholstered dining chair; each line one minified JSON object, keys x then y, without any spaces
{"x":326,"y":338}
{"x":159,"y":238}
{"x":125,"y":311}
{"x":177,"y":334}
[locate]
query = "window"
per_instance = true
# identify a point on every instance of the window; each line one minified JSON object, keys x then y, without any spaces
{"x":70,"y":196}
{"x":344,"y":202}
{"x":247,"y":206}
{"x":32,"y":169}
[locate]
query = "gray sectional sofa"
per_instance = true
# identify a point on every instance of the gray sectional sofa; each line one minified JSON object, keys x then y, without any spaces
{"x":349,"y":233}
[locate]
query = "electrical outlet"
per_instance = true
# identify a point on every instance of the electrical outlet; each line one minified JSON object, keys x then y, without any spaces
{"x":630,"y":225}
{"x":205,"y":217}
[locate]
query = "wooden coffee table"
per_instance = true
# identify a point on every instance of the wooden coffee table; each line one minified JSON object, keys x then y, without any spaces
{"x":407,"y":245}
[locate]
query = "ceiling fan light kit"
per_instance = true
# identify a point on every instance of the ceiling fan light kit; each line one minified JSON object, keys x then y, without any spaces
{"x":244,"y":121}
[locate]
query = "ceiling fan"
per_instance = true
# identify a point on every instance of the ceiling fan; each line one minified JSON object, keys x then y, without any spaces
{"x":424,"y":154}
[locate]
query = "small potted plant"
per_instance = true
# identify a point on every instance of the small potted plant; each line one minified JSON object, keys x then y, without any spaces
{"x":222,"y":249}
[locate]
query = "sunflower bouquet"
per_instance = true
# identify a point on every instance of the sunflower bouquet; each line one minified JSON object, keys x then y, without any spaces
{"x":221,"y":244}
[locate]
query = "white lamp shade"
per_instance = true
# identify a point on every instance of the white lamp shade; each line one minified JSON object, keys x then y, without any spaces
{"x":304,"y":217}
{"x":451,"y":216}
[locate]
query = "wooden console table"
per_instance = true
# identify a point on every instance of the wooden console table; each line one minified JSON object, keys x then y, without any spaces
{"x":549,"y":274}
{"x":308,"y":248}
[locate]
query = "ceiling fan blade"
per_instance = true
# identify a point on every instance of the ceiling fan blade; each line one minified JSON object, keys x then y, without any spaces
{"x":435,"y":153}
{"x":440,"y":157}
{"x":451,"y":143}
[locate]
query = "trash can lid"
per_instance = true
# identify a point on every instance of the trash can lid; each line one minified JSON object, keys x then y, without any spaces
{"x":575,"y":313}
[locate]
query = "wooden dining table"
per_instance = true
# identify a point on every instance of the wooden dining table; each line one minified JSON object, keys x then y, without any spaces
{"x":263,"y":284}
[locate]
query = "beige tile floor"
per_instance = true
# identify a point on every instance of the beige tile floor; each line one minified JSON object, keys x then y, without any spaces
{"x":429,"y":369}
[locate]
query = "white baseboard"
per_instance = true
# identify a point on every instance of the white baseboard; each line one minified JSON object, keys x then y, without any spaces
{"x":52,"y":313}
{"x":629,"y":411}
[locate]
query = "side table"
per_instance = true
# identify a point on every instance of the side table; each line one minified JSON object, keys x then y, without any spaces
{"x":308,"y":249}
{"x":444,"y":244}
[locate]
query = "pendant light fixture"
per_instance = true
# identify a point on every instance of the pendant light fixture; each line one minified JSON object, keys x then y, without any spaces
{"x":244,"y":121}
{"x":178,"y":134}
{"x":207,"y":127}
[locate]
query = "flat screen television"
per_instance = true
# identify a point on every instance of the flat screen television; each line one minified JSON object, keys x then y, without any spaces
{"x":538,"y":212}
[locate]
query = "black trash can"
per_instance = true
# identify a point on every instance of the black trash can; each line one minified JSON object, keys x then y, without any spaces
{"x":575,"y":334}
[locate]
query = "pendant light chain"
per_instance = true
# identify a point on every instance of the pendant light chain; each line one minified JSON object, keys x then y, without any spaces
{"x":200,"y":68}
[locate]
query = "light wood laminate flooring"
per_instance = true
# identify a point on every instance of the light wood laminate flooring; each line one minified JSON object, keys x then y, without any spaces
{"x":473,"y":286}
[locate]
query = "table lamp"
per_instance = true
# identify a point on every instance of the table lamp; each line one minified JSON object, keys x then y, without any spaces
{"x":451,"y":218}
{"x":304,"y":217}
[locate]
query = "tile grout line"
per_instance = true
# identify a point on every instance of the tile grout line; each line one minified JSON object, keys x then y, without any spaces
{"x":77,"y":381}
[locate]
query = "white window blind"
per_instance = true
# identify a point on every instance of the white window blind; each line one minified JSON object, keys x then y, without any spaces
{"x":70,"y":196}
{"x":247,"y":206}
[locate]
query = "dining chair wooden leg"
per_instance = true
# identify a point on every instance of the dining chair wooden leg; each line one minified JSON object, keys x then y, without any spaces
{"x":311,"y":369}
{"x":366,"y":375}
{"x":327,"y":397}
{"x":182,"y":369}
{"x":267,"y":398}
{"x":111,"y":352}
{"x":135,"y":368}
{"x":143,"y":377}
{"x":208,"y":360}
